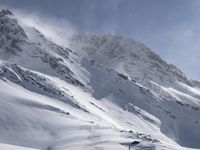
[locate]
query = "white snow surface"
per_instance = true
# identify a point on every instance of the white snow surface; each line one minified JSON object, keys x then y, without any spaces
{"x":13,"y":147}
{"x":103,"y":92}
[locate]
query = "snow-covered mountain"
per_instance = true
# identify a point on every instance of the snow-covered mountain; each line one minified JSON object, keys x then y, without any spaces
{"x":103,"y":92}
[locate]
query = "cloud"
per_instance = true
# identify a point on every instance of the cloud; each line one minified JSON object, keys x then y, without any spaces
{"x":58,"y":30}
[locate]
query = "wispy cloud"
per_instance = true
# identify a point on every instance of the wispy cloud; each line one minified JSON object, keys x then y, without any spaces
{"x":58,"y":30}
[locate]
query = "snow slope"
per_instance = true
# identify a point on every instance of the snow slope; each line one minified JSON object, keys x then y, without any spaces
{"x":104,"y":92}
{"x":135,"y":62}
{"x":13,"y":147}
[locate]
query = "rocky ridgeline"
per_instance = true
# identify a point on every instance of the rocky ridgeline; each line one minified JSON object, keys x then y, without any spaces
{"x":35,"y":83}
{"x":137,"y":61}
{"x":15,"y":40}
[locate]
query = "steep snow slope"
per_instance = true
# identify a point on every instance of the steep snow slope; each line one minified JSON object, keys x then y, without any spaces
{"x":135,"y":62}
{"x":38,"y":121}
{"x":13,"y":147}
{"x":56,"y":98}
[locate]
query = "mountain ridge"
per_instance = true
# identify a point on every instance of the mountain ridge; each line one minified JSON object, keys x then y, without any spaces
{"x":103,"y":92}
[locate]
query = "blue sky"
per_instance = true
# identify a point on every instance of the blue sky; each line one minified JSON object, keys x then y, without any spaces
{"x":171,"y":28}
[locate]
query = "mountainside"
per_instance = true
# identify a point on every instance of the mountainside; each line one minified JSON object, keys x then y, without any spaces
{"x":103,"y":92}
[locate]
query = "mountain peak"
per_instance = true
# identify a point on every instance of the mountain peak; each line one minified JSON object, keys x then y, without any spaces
{"x":127,"y":56}
{"x":11,"y":31}
{"x":5,"y":12}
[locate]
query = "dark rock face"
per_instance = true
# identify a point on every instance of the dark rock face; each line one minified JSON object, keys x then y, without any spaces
{"x":11,"y":33}
{"x":5,"y":12}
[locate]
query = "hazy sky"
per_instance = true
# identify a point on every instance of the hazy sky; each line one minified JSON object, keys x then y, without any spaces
{"x":169,"y":27}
